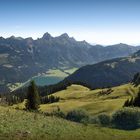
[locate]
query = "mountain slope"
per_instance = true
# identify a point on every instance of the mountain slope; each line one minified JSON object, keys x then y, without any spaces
{"x":21,"y":59}
{"x":108,"y":73}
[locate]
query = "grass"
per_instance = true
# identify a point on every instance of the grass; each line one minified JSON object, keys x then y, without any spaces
{"x":70,"y":71}
{"x":18,"y":124}
{"x":77,"y":96}
{"x":21,"y":125}
{"x":56,"y":73}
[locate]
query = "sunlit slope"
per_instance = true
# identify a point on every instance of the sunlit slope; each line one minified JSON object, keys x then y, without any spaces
{"x":22,"y":125}
{"x":94,"y":101}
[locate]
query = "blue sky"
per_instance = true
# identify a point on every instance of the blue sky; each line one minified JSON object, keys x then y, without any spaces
{"x":96,"y":21}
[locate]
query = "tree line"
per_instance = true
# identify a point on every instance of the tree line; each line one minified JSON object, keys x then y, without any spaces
{"x":33,"y":99}
{"x":134,"y":101}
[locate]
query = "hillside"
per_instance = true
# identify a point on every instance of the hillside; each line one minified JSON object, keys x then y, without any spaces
{"x":23,"y":125}
{"x":18,"y":124}
{"x":108,"y":73}
{"x":93,"y":101}
{"x":22,"y":59}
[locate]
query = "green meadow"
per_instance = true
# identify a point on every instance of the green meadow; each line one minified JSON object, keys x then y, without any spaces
{"x":22,"y":125}
{"x":17,"y":124}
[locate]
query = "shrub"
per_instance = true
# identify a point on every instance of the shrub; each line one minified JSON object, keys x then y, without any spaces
{"x":104,"y":119}
{"x":77,"y":115}
{"x":129,"y":102}
{"x":93,"y":120}
{"x":58,"y":114}
{"x":133,"y":101}
{"x":126,"y":118}
{"x":136,"y":79}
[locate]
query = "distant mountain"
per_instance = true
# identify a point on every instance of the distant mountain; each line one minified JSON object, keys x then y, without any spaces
{"x":108,"y":73}
{"x":21,"y":59}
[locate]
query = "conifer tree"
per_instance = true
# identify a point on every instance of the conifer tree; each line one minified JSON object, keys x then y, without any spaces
{"x":136,"y":101}
{"x":126,"y":104}
{"x":133,"y":101}
{"x":136,"y":79}
{"x":33,"y":99}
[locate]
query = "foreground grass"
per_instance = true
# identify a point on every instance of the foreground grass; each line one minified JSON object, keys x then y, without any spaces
{"x":16,"y":124}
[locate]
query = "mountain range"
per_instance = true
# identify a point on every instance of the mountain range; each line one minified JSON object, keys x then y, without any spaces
{"x":23,"y":58}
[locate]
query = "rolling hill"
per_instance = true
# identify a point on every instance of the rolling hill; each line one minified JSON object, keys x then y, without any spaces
{"x":93,"y":101}
{"x":19,"y":124}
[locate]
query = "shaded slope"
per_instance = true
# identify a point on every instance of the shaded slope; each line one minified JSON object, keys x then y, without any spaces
{"x":108,"y":73}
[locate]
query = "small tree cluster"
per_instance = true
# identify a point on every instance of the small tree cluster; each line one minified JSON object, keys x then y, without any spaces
{"x":105,"y":92}
{"x":12,"y":99}
{"x":133,"y":101}
{"x":136,"y":79}
{"x":126,"y":118}
{"x":128,"y":102}
{"x":49,"y":99}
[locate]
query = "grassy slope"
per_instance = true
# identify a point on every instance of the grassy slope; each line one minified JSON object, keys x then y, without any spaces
{"x":16,"y":124}
{"x":77,"y":96}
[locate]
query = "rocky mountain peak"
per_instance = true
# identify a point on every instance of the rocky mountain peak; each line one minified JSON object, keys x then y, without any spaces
{"x":47,"y":36}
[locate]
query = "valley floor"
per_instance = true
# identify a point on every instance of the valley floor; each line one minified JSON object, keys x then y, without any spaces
{"x":21,"y":125}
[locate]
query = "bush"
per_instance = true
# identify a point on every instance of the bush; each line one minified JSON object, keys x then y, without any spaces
{"x":126,"y":118}
{"x":102,"y":119}
{"x":77,"y":115}
{"x":93,"y":120}
{"x":133,"y":101}
{"x":136,"y":79}
{"x":59,"y":114}
{"x":129,"y":102}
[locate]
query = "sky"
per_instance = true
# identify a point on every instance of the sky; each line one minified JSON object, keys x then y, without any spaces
{"x":96,"y":21}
